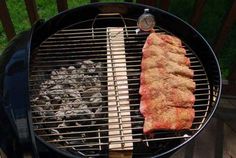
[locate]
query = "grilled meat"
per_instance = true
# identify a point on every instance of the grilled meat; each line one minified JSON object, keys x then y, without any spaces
{"x":155,"y":50}
{"x":163,"y":64}
{"x":168,"y":118}
{"x":166,"y":44}
{"x":171,"y":40}
{"x":166,"y":85}
{"x":174,"y":96}
{"x":172,"y":80}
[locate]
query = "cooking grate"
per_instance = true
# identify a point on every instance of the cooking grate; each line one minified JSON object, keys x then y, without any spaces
{"x":89,"y":135}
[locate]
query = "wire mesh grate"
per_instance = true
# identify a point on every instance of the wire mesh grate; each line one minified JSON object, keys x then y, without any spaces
{"x":86,"y":131}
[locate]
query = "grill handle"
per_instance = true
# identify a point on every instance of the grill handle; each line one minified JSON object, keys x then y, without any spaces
{"x":107,"y":15}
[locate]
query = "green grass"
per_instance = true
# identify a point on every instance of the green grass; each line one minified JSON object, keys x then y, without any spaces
{"x":20,"y":20}
{"x":46,"y":9}
{"x":213,"y":14}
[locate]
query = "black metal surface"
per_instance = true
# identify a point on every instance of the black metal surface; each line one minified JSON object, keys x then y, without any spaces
{"x":14,"y":91}
{"x":75,"y":19}
{"x":7,"y":133}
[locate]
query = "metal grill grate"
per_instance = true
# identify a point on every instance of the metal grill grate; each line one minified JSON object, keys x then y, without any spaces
{"x":90,"y":137}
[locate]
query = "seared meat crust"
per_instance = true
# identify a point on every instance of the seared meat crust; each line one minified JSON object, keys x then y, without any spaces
{"x":166,"y":85}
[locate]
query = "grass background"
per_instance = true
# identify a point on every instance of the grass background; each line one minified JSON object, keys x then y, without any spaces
{"x":213,"y":14}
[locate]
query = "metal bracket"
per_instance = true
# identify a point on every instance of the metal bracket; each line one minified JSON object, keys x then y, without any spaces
{"x":107,"y":15}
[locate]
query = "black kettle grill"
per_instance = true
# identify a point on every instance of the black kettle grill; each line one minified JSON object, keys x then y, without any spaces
{"x":55,"y":91}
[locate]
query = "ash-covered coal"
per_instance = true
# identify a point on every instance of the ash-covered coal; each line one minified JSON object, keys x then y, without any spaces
{"x":71,"y":96}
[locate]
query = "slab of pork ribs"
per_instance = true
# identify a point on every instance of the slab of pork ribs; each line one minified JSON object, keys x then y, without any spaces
{"x":166,"y":85}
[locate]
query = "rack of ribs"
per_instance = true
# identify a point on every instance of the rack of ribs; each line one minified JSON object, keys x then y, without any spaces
{"x":166,"y":85}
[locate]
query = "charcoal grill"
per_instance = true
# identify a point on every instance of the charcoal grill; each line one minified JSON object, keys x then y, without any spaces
{"x":108,"y":37}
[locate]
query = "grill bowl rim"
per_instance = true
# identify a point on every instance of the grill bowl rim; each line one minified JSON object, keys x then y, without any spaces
{"x":210,"y":114}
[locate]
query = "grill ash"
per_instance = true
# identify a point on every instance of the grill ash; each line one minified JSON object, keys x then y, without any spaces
{"x":70,"y":94}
